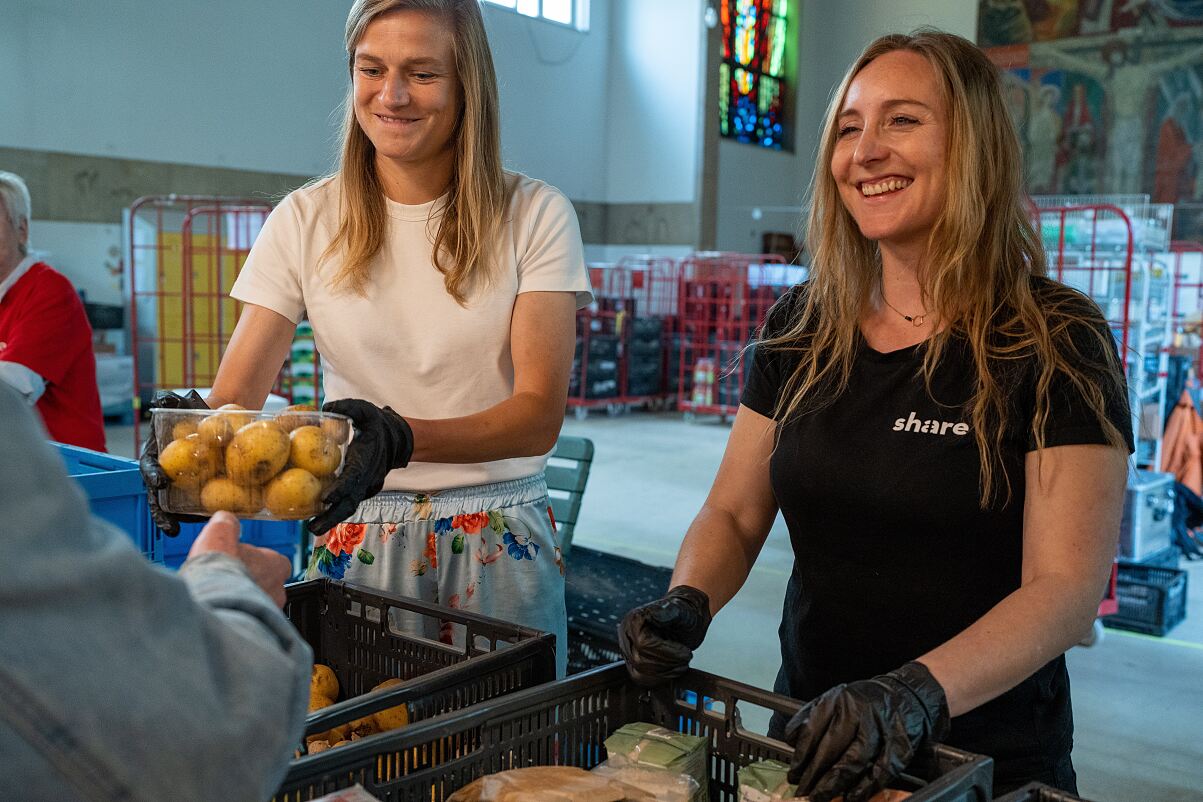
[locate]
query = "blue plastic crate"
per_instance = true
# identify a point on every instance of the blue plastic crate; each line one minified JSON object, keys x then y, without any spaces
{"x":280,"y":536}
{"x":115,"y":493}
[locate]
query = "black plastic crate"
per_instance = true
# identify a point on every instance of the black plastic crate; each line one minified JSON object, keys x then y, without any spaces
{"x":1151,"y":599}
{"x":1165,"y":558}
{"x":348,"y":628}
{"x":601,"y":346}
{"x":599,"y":589}
{"x":567,"y":722}
{"x":646,"y":329}
{"x":1038,"y":792}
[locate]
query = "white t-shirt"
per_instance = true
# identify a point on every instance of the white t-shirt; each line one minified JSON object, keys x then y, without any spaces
{"x":408,"y":344}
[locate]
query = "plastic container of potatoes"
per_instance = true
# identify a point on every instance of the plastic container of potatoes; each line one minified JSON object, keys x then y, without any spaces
{"x":261,"y":465}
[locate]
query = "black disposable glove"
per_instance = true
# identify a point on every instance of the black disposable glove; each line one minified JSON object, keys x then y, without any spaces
{"x":856,"y":738}
{"x":383,"y":441}
{"x":153,"y":475}
{"x":658,"y":638}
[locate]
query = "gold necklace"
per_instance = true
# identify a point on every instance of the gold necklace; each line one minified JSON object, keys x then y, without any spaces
{"x":914,"y":320}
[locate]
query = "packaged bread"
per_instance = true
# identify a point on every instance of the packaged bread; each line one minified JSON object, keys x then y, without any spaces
{"x":548,"y":784}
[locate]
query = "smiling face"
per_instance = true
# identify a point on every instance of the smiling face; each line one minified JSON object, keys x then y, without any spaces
{"x":406,"y":91}
{"x":890,"y":157}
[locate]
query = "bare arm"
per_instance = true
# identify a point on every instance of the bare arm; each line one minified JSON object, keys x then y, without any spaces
{"x":253,"y":358}
{"x":542,"y":337}
{"x":725,"y":538}
{"x":1070,"y":527}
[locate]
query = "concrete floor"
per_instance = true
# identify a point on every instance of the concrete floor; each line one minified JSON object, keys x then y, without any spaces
{"x":1138,"y":701}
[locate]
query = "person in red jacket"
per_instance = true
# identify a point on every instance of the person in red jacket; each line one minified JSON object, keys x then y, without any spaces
{"x":45,"y":339}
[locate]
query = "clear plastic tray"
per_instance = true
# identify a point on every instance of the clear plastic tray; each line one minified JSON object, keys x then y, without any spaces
{"x":255,"y":464}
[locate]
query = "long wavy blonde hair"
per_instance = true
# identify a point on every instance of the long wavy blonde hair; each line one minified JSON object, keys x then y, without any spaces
{"x":478,"y":193}
{"x":982,"y":253}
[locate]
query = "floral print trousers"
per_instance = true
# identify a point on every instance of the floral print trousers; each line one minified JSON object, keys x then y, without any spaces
{"x":489,"y":549}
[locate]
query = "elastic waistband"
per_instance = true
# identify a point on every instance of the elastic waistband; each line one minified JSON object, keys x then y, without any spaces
{"x":465,"y":499}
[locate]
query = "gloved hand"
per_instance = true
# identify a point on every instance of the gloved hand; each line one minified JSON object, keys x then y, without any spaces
{"x":153,"y":475}
{"x":856,"y":738}
{"x":383,"y":441}
{"x":658,"y":638}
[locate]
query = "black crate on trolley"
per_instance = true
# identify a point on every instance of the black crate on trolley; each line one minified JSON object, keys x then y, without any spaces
{"x":1151,"y":599}
{"x":566,"y":723}
{"x":1038,"y":792}
{"x":599,"y":589}
{"x":349,"y":629}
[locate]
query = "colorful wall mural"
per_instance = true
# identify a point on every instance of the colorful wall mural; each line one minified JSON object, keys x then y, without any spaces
{"x":1107,"y":95}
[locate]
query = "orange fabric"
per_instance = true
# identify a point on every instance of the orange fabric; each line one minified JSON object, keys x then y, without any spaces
{"x":1182,"y":444}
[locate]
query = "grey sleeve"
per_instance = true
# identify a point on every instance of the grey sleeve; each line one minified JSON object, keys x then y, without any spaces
{"x":125,"y":680}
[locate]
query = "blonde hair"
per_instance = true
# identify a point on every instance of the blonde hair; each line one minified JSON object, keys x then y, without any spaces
{"x":15,"y":196}
{"x":478,"y":193}
{"x":982,"y":254}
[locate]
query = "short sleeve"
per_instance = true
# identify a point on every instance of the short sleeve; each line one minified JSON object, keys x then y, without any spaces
{"x":1090,"y":346}
{"x":551,"y":257}
{"x":52,"y":330}
{"x":271,"y":275}
{"x":768,"y":373}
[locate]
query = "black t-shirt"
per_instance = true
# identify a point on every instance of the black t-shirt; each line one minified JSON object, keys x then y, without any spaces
{"x":893,"y":553}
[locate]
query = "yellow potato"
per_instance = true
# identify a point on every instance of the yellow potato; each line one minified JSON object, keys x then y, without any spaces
{"x":323,"y":682}
{"x":258,"y":452}
{"x":312,"y":450}
{"x":184,"y":426}
{"x":394,"y":717}
{"x":297,"y":415}
{"x":219,"y":428}
{"x":189,"y":462}
{"x":225,"y":494}
{"x":340,"y":743}
{"x":364,"y":726}
{"x":293,"y":494}
{"x":317,"y":700}
{"x":316,"y":746}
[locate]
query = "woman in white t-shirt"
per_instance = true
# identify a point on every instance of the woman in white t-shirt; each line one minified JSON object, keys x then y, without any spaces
{"x":442,"y":292}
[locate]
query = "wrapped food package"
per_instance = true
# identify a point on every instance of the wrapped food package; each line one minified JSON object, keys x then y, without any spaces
{"x":649,"y":746}
{"x":548,"y":784}
{"x":765,"y":781}
{"x":664,"y":785}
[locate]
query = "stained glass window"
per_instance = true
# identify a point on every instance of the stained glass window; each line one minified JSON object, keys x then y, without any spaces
{"x":752,"y":87}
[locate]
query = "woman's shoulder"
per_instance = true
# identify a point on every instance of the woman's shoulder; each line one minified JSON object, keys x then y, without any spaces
{"x":314,"y":199}
{"x":528,"y":195}
{"x":1062,"y":302}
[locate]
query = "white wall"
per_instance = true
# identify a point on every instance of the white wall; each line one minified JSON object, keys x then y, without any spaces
{"x":87,"y":253}
{"x":833,"y":32}
{"x":221,"y":83}
{"x":257,"y":86}
{"x":552,"y":82}
{"x":655,"y":100}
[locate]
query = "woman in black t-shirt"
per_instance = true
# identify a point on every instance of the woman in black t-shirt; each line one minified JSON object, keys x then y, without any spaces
{"x":945,"y":432}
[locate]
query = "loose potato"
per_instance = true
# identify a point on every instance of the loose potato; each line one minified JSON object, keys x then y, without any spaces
{"x":394,"y":717}
{"x":340,"y":743}
{"x":190,"y":462}
{"x":258,"y":452}
{"x":218,"y":429}
{"x":293,"y":494}
{"x":312,"y":450}
{"x":323,"y":682}
{"x":317,"y":701}
{"x":318,"y":746}
{"x":225,"y":494}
